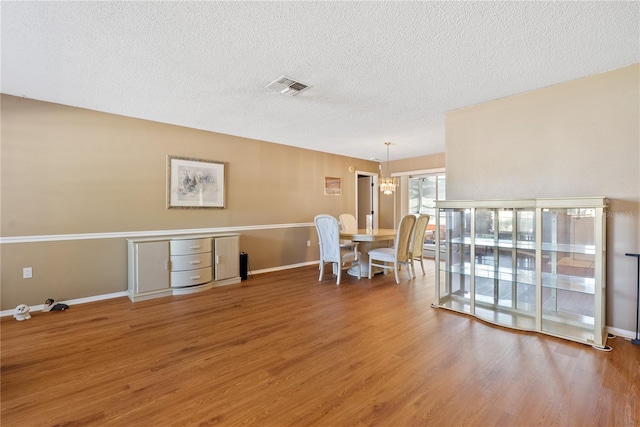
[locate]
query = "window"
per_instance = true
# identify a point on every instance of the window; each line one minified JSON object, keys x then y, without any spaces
{"x":424,"y":190}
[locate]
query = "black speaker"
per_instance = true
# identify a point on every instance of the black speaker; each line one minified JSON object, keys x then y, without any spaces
{"x":244,"y":265}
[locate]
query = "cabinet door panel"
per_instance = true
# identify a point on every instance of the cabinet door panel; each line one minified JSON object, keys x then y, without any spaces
{"x":151,"y":260}
{"x":227,"y":257}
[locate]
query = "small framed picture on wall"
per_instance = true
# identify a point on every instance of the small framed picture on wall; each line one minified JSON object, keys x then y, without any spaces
{"x":332,"y":186}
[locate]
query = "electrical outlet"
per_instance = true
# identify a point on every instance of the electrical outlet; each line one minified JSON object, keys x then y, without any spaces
{"x":308,"y":243}
{"x":27,"y":273}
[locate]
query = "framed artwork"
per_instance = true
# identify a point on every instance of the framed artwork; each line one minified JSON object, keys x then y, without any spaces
{"x":195,"y":183}
{"x":332,"y":186}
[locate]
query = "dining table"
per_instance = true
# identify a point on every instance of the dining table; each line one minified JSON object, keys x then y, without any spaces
{"x":368,"y":238}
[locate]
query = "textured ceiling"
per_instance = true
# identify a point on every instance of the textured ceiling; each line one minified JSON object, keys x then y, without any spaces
{"x":380,"y":71}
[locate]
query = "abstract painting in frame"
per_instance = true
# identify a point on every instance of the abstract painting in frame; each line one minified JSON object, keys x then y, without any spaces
{"x":195,"y":183}
{"x":332,"y":186}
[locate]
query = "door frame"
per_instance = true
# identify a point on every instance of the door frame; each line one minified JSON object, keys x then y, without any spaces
{"x":374,"y":194}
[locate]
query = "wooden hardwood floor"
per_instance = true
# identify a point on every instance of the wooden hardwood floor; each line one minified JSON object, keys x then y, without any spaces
{"x":283,"y":349}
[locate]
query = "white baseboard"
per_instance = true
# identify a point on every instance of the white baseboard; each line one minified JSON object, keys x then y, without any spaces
{"x":94,"y":298}
{"x":284,"y":267}
{"x":621,"y":332}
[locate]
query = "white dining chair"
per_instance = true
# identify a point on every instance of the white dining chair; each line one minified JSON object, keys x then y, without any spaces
{"x":417,"y":242}
{"x":330,"y":250}
{"x":392,"y":258}
{"x":349,"y":224}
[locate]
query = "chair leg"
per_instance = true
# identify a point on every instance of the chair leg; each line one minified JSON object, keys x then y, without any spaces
{"x":422,"y":266}
{"x":321,"y":271}
{"x":359,"y":269}
{"x":369,"y":267}
{"x":395,"y":271}
{"x":339,"y":267}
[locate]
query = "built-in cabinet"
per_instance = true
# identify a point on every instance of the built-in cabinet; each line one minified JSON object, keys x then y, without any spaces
{"x":181,"y":264}
{"x":536,"y":265}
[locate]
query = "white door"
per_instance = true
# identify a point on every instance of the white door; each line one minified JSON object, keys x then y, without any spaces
{"x":366,"y":198}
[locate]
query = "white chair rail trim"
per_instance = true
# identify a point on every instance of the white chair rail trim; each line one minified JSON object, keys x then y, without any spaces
{"x":152,"y":233}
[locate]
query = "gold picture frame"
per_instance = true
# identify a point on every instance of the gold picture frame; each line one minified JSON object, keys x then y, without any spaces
{"x":195,"y":183}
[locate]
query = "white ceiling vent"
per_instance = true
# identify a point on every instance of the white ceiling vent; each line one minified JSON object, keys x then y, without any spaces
{"x":287,"y":86}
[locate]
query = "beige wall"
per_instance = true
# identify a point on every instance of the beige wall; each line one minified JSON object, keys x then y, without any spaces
{"x":432,"y":161}
{"x":580,"y":138}
{"x":67,"y":171}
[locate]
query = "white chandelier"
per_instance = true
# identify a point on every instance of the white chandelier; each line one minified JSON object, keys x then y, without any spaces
{"x":388,"y":184}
